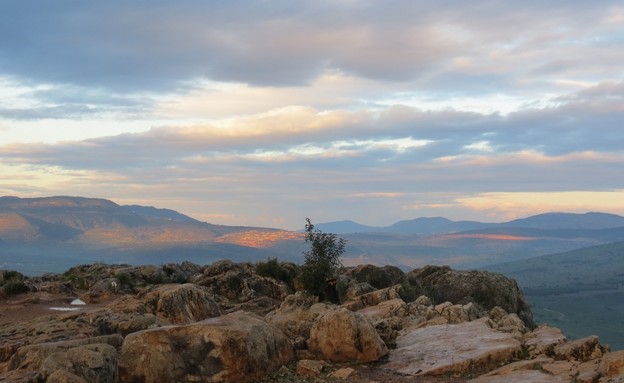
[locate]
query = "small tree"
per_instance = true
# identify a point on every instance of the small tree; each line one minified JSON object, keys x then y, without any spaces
{"x":321,"y":261}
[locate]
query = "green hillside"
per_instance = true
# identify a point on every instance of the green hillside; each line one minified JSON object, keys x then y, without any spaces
{"x":580,"y":291}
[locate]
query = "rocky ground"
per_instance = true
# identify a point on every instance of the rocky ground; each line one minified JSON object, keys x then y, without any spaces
{"x":231,"y":322}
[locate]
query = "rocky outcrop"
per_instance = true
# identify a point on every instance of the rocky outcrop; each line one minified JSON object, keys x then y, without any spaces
{"x":95,"y":363}
{"x":543,"y":340}
{"x":92,"y":359}
{"x":612,"y":365}
{"x":180,"y":304}
{"x":243,"y":288}
{"x":236,"y":347}
{"x":295,"y":317}
{"x":487,"y":289}
{"x":375,"y":276}
{"x":341,"y":335}
{"x":188,"y":332}
{"x":374,"y":298}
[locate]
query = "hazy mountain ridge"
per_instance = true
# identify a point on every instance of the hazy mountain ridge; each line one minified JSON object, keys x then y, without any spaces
{"x":87,"y":230}
{"x":440,"y":225}
{"x":71,"y":230}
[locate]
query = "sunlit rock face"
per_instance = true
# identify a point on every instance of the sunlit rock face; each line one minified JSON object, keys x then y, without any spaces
{"x":238,"y":347}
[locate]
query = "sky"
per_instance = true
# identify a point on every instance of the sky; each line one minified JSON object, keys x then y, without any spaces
{"x":263,"y":113}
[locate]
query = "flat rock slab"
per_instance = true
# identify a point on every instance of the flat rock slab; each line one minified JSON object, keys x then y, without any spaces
{"x":537,"y":370}
{"x":526,"y":376}
{"x":457,"y":348}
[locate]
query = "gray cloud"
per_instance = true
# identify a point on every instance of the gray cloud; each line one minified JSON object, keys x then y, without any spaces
{"x":348,"y":140}
{"x":159,"y":45}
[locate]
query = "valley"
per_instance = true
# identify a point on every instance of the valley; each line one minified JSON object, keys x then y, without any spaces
{"x":570,"y":266}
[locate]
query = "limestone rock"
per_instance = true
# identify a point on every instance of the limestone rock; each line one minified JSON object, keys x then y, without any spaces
{"x":353,"y":288}
{"x":543,"y":369}
{"x":236,"y":347}
{"x":309,"y":367}
{"x":376,"y":276}
{"x":342,"y":373}
{"x":584,"y":349}
{"x":542,"y":340}
{"x":45,"y":329}
{"x":455,"y":348}
{"x":612,"y":364}
{"x":95,"y":363}
{"x":239,"y":282}
{"x":62,"y":376}
{"x":181,"y":304}
{"x":487,"y":289}
{"x":389,"y":318}
{"x":374,"y":298}
{"x":107,"y":321}
{"x":526,"y":371}
{"x":295,"y":317}
{"x":21,"y":376}
{"x":341,"y":335}
{"x":32,"y":357}
{"x":392,"y":308}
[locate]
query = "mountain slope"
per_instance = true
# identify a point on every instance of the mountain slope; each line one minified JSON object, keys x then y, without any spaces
{"x":590,"y":220}
{"x":345,"y":227}
{"x":440,"y":225}
{"x":595,"y":266}
{"x":434,"y":225}
{"x":581,"y":291}
{"x":62,"y":231}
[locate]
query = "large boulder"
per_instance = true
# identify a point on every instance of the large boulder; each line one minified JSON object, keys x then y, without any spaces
{"x":237,"y":347}
{"x":487,"y":289}
{"x":238,"y":282}
{"x":95,"y":363}
{"x":92,"y":359}
{"x":543,"y":340}
{"x":584,"y":349}
{"x":295,"y":317}
{"x":464,"y":348}
{"x":181,"y":304}
{"x":32,"y":357}
{"x":340,"y":335}
{"x":612,"y":365}
{"x":374,"y":298}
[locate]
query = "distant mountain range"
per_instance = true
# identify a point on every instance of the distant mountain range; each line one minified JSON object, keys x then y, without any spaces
{"x":440,"y":225}
{"x":50,"y":234}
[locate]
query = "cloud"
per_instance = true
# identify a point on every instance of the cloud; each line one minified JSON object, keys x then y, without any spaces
{"x":512,"y":205}
{"x":282,"y":108}
{"x":130,"y":47}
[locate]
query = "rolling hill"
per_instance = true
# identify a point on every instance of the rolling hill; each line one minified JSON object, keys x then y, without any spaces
{"x":61,"y":231}
{"x":581,"y":291}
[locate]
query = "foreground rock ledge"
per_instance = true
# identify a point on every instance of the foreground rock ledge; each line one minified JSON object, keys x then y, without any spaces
{"x":238,"y":347}
{"x":456,"y":348}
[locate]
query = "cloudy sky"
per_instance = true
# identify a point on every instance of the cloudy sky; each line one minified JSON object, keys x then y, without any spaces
{"x":267,"y":112}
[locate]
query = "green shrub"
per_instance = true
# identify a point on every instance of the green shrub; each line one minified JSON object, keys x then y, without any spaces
{"x":15,"y":287}
{"x":76,"y":281}
{"x":317,"y":275}
{"x":125,"y":280}
{"x":272,"y":269}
